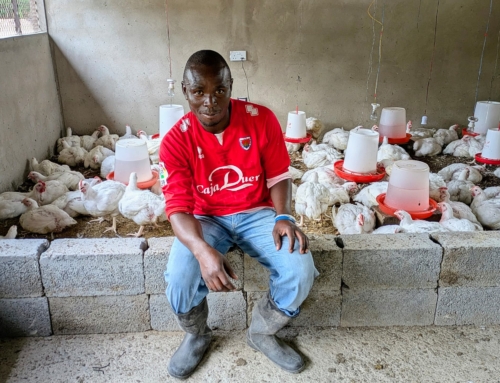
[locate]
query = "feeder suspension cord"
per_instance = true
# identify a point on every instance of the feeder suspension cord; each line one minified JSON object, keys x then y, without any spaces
{"x":484,"y":45}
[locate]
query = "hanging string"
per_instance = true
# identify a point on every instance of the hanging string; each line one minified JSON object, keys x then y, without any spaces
{"x":370,"y":60}
{"x":495,"y":69}
{"x":248,"y":93}
{"x":379,"y":45}
{"x":168,"y":38}
{"x":484,"y":46}
{"x":432,"y":58}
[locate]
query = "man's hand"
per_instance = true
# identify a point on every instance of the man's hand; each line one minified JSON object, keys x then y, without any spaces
{"x":215,"y":271}
{"x":282,"y":228}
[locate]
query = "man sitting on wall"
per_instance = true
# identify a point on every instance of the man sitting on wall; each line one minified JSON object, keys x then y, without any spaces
{"x":228,"y":184}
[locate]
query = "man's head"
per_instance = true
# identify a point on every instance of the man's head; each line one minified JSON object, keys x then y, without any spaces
{"x":207,"y":86}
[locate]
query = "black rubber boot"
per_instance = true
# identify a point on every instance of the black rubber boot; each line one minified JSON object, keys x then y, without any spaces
{"x":267,"y":320}
{"x":196,"y":341}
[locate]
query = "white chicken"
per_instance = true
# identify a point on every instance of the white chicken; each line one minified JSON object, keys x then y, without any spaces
{"x":448,"y":135}
{"x":340,"y":194}
{"x":436,"y":182}
{"x":417,"y":226}
{"x":368,"y":195}
{"x":337,"y":138}
{"x":69,"y":178}
{"x":292,"y":147}
{"x":492,"y":192}
{"x":72,"y":202}
{"x":486,"y":210}
{"x":88,"y":142}
{"x":314,"y":126}
{"x":294,"y":191}
{"x":311,"y":200}
{"x":390,"y":152}
{"x":353,"y":219}
{"x":453,"y":171}
{"x":107,"y":140}
{"x":295,"y":173}
{"x":11,"y":234}
{"x":141,"y":206}
{"x":72,"y":141}
{"x":107,"y":166}
{"x":389,"y":229}
{"x":94,"y":158}
{"x":72,"y":156}
{"x":316,"y":155}
{"x":460,"y":189}
{"x":128,"y":134}
{"x":418,"y":133}
{"x":326,"y":175}
{"x":11,"y":203}
{"x":460,"y":210}
{"x":153,"y":145}
{"x":450,"y":222}
{"x":44,"y":219}
{"x":102,"y":199}
{"x":467,"y":146}
{"x":428,"y":146}
{"x":496,"y":173}
{"x":46,"y":167}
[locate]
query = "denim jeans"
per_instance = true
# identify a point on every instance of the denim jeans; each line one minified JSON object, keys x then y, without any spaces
{"x":291,"y":274}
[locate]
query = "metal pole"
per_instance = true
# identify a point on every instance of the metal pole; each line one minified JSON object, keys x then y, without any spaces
{"x":16,"y":17}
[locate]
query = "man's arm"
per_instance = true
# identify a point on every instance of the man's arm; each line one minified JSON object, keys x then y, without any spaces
{"x":281,"y":194}
{"x":215,"y":269}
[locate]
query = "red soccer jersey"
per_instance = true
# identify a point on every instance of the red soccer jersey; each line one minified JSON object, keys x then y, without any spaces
{"x":206,"y":177}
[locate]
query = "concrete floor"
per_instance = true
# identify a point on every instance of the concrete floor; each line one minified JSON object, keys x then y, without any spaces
{"x":395,"y":354}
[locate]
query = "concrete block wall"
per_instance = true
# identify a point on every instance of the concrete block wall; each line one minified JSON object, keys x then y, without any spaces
{"x":79,"y":286}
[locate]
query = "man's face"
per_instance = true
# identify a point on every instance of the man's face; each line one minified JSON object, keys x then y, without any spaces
{"x":208,"y":92}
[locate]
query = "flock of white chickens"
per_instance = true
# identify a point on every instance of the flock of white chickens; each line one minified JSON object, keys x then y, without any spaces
{"x":61,"y":194}
{"x":464,"y":206}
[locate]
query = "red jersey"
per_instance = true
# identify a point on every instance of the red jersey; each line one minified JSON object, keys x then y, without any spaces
{"x":206,"y":177}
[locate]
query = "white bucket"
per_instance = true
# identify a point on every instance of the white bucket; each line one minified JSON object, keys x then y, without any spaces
{"x":491,"y":148}
{"x":488,"y":116}
{"x":132,"y":155}
{"x":361,"y":151}
{"x":296,"y":125}
{"x":392,"y":122}
{"x":169,"y":115}
{"x":408,"y":187}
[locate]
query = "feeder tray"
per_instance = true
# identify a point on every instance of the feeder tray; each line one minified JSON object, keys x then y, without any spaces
{"x":489,"y":161}
{"x":306,"y":139}
{"x":466,"y":132}
{"x":140,"y":185}
{"x":414,"y":214}
{"x":155,"y":136}
{"x":393,"y":141}
{"x":358,"y":177}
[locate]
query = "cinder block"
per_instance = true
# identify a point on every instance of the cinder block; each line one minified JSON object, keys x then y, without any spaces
{"x":321,"y":308}
{"x":392,"y":261}
{"x":388,"y":307}
{"x":327,"y":258}
{"x":19,"y":269}
{"x":470,"y":259}
{"x":227,"y":311}
{"x":24,"y":317}
{"x":468,"y":306}
{"x":155,"y":263}
{"x":93,"y":267}
{"x":99,"y":315}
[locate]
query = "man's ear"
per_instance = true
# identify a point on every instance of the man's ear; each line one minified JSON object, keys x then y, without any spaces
{"x":184,"y":90}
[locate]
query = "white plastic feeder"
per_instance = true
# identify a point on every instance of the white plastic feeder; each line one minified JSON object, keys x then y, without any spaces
{"x":132,"y":155}
{"x":488,"y":116}
{"x":169,"y":115}
{"x":408,"y":187}
{"x":392,"y":122}
{"x":361,"y":151}
{"x":491,"y":148}
{"x":296,"y":125}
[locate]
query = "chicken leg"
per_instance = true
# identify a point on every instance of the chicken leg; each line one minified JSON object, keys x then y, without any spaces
{"x":139,"y":233}
{"x":112,"y":227}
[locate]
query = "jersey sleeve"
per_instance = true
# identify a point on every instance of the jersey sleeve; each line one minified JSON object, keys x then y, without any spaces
{"x":178,"y":191}
{"x":275,"y":158}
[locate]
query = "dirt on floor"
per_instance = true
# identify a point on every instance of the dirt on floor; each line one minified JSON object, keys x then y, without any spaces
{"x":86,"y":229}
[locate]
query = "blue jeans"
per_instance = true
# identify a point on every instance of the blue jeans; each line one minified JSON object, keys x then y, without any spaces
{"x":292,"y":274}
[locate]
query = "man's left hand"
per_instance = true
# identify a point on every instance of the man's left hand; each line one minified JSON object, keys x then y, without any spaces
{"x":282,"y":228}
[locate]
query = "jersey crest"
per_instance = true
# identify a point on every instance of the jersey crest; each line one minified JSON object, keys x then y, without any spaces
{"x":246,"y":142}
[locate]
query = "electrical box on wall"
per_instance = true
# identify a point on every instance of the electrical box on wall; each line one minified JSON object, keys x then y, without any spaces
{"x":238,"y":55}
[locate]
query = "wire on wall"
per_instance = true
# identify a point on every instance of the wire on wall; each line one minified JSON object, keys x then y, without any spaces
{"x":168,"y":38}
{"x":495,"y":69}
{"x":432,"y":59}
{"x":484,"y":46}
{"x":244,"y":71}
{"x":370,"y":60}
{"x":379,"y":44}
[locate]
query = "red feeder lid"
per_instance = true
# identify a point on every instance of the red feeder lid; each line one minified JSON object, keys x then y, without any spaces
{"x":155,"y":136}
{"x":360,"y":178}
{"x":488,"y":161}
{"x":306,"y":139}
{"x":466,"y":132}
{"x":140,"y":185}
{"x":393,"y":141}
{"x":414,"y":214}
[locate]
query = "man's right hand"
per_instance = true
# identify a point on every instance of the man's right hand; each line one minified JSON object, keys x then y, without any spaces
{"x":215,"y":270}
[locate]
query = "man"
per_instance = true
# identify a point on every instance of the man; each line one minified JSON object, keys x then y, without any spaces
{"x":228,"y":184}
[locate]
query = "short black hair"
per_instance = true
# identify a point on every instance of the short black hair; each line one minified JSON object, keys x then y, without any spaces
{"x":208,"y":58}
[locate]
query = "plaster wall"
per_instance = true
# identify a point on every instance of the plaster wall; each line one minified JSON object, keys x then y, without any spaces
{"x":30,"y":114}
{"x":113,"y":57}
